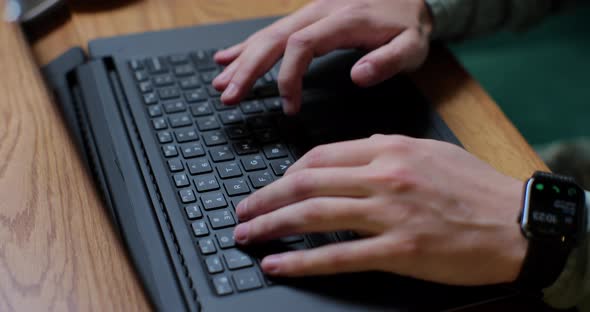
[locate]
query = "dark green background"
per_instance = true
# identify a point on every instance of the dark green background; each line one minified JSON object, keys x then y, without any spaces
{"x":540,"y":78}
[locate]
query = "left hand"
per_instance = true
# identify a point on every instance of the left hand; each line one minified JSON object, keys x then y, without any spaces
{"x":428,"y":210}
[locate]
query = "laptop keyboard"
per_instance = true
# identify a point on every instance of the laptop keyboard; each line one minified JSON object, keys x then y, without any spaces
{"x":217,"y":155}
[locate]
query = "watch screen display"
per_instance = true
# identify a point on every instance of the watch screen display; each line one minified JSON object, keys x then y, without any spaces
{"x":554,"y":208}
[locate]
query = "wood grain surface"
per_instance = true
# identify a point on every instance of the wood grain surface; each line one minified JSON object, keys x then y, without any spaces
{"x":58,"y":250}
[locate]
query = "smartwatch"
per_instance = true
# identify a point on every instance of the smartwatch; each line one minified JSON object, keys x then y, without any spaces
{"x":553,"y":220}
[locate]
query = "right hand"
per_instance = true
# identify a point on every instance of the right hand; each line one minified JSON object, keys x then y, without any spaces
{"x":396,"y":32}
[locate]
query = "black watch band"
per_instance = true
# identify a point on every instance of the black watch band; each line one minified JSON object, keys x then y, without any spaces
{"x":547,"y":253}
{"x":543,"y":263}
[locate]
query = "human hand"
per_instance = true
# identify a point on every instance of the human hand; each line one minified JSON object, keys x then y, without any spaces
{"x":427,"y":209}
{"x":395,"y":31}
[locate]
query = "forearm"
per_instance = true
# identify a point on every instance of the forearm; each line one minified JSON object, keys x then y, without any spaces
{"x":458,"y":19}
{"x":572,"y":288}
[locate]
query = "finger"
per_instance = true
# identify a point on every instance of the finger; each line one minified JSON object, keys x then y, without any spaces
{"x":405,"y":52}
{"x":323,"y":214}
{"x":345,"y":257}
{"x":222,"y":80}
{"x":263,"y":50}
{"x":253,"y":63}
{"x":333,"y":182}
{"x":341,"y":154}
{"x":328,"y":34}
{"x":228,"y":55}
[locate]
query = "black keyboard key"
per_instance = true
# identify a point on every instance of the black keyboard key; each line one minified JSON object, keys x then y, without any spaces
{"x":229,"y":170}
{"x":279,"y":167}
{"x":155,"y":65}
{"x":174,"y":107}
{"x":207,"y":246}
{"x":206,"y":183}
{"x":218,"y":105}
{"x":252,"y":107}
{"x":236,"y":187}
{"x":274,"y":104}
{"x":141,"y":76}
{"x":200,"y":228}
{"x":188,"y":83}
{"x":245,"y":147}
{"x":199,"y":166}
{"x":236,"y":200}
{"x":247,"y":280}
{"x":195,"y":95}
{"x":275,"y":151}
{"x":291,"y":239}
{"x":214,"y":138}
{"x":201,"y":109}
{"x":186,"y":135}
{"x":207,"y":123}
{"x":169,"y":93}
{"x":221,"y":218}
{"x":163,"y":80}
{"x":155,"y":111}
{"x":203,"y":60}
{"x":159,"y":123}
{"x":175,"y":165}
{"x":225,"y":238}
{"x":213,"y":201}
{"x":221,"y":153}
{"x":150,"y":98}
{"x":230,"y":117}
{"x":258,"y":122}
{"x":214,"y":265}
{"x":181,"y":180}
{"x":170,"y":150}
{"x":180,"y":120}
{"x":253,"y":162}
{"x":187,"y":196}
{"x":237,"y":132}
{"x":191,"y":150}
{"x":212,"y":91}
{"x":235,"y":259}
{"x":164,"y":137}
{"x":146,"y":86}
{"x":178,"y":59}
{"x":266,"y":136}
{"x":136,"y":64}
{"x":193,"y":212}
{"x":260,"y":179}
{"x":222,"y":285}
{"x":321,"y":239}
{"x":209,"y":75}
{"x":184,"y":70}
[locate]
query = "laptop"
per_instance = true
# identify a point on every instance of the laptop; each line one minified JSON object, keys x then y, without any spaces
{"x":173,"y":162}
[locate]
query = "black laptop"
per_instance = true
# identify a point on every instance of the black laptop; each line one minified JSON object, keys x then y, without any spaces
{"x":173,"y":162}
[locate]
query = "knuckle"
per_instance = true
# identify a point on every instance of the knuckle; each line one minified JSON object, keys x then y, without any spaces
{"x":397,"y":179}
{"x":409,"y":246}
{"x":301,"y":185}
{"x":398,"y":144}
{"x":312,"y":214}
{"x":300,"y":40}
{"x":314,"y":156}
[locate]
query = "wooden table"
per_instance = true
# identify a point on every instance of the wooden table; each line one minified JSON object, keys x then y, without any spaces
{"x":58,"y":249}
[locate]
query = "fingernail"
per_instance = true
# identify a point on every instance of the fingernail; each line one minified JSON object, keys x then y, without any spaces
{"x":230,"y":92}
{"x":241,"y":233}
{"x":271,"y":264}
{"x":242,"y":209}
{"x":366,"y":70}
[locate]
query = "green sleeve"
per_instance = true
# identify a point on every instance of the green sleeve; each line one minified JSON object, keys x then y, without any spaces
{"x":572,"y":288}
{"x":459,"y":19}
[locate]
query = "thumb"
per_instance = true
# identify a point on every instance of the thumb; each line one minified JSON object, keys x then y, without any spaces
{"x":407,"y":51}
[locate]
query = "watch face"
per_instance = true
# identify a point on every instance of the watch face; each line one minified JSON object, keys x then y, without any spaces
{"x":554,"y":210}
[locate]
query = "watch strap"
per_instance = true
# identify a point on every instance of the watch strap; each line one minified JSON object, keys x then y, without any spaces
{"x":543,"y":263}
